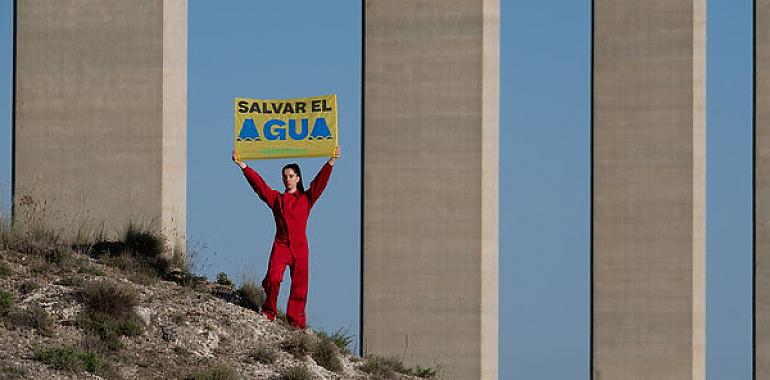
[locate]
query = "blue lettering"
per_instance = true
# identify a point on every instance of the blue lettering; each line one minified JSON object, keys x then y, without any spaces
{"x":293,"y":129}
{"x":320,"y":130}
{"x":248,"y":131}
{"x":280,"y":134}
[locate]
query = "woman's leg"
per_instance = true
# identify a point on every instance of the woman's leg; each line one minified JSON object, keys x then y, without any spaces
{"x":295,"y":311}
{"x":279,"y":258}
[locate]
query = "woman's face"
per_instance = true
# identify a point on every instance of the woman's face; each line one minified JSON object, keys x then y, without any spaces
{"x":290,"y":179}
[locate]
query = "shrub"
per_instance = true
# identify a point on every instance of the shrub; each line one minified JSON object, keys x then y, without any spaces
{"x":110,"y":328}
{"x":110,"y":298}
{"x":58,"y":255}
{"x":139,"y":269}
{"x":5,"y":270}
{"x":143,"y":240}
{"x":122,"y":261}
{"x":65,"y":358}
{"x":298,"y":344}
{"x":33,"y":317}
{"x":387,"y":367}
{"x":179,"y":318}
{"x":325,"y":354}
{"x":6,"y":300}
{"x":61,"y":357}
{"x":383,"y":367}
{"x":263,"y":354}
{"x":90,"y":269}
{"x":13,"y":373}
{"x":342,"y":338}
{"x":424,"y":372}
{"x":252,"y":296}
{"x":141,"y":254}
{"x":71,"y":281}
{"x":41,"y":268}
{"x":295,"y":373}
{"x":93,"y":342}
{"x":219,"y":372}
{"x":222,"y":279}
{"x":145,"y":276}
{"x":28,"y":287}
{"x":109,"y":313}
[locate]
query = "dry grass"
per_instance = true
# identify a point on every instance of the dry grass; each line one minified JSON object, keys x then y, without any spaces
{"x":251,"y":295}
{"x":263,"y":354}
{"x":382,"y":367}
{"x":390,"y":368}
{"x":342,"y":338}
{"x":296,"y":373}
{"x":298,"y":344}
{"x":219,"y":372}
{"x":141,"y":253}
{"x":144,"y":256}
{"x":325,"y":353}
{"x":53,"y":239}
{"x":37,"y":229}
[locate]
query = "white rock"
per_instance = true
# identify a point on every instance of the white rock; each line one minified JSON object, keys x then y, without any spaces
{"x":144,"y":313}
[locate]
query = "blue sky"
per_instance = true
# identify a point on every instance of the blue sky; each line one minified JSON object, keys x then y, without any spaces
{"x":309,"y":48}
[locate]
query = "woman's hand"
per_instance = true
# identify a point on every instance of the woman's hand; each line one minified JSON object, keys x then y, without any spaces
{"x":335,"y":155}
{"x":237,"y":160}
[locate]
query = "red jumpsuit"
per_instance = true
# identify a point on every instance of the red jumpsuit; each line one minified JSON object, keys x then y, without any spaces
{"x":290,"y":244}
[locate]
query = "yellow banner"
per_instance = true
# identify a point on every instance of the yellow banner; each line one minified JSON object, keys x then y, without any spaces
{"x":302,"y":127}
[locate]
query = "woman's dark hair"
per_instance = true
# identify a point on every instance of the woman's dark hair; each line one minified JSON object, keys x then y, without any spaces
{"x":296,"y":170}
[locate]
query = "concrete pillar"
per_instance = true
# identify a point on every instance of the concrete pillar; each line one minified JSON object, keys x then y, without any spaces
{"x":762,"y":189}
{"x":649,"y":182}
{"x":100,"y":111}
{"x":430,"y":191}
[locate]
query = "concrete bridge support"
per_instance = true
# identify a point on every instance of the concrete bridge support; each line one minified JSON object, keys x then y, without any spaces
{"x":649,"y":189}
{"x":100,"y":111}
{"x":430,"y":212}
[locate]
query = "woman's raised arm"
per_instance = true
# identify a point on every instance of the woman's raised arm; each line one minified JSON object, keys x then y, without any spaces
{"x":264,"y":191}
{"x":322,"y":178}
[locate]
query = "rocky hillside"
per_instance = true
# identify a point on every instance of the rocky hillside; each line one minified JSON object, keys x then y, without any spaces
{"x":109,"y":311}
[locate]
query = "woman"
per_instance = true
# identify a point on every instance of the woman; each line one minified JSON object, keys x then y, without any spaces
{"x":290,"y":211}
